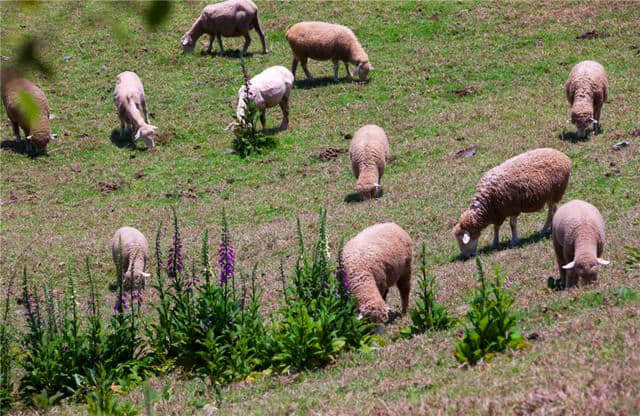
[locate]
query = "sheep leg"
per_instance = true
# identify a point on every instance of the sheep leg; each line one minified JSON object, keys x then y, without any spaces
{"x":294,"y":66}
{"x":546,"y":229}
{"x":596,"y":115}
{"x":404,"y":286}
{"x":336,"y":64}
{"x":346,"y":66}
{"x":261,"y":36}
{"x":144,"y":111}
{"x":263,"y":119}
{"x":219,"y":36}
{"x":16,"y":130}
{"x":496,"y":236}
{"x":247,"y":42}
{"x":303,"y":62}
{"x":561,"y":262}
{"x":211,"y":38}
{"x":122,"y":128}
{"x":384,"y":293}
{"x":513,"y":222}
{"x":284,"y":105}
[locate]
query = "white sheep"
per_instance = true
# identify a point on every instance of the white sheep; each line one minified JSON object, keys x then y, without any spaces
{"x":368,"y":152}
{"x":376,"y":259}
{"x":36,"y":126}
{"x":231,"y":18}
{"x":130,"y":101}
{"x":326,"y":41}
{"x":587,"y":89}
{"x":524,"y":183}
{"x":578,"y":240}
{"x":269,"y":88}
{"x":132,"y":245}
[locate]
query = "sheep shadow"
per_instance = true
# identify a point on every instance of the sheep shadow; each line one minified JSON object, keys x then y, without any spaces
{"x":355,"y":197}
{"x":505,"y":245}
{"x":228,"y":53}
{"x":19,"y":147}
{"x":572,"y":136}
{"x":306,"y":84}
{"x":124,"y":141}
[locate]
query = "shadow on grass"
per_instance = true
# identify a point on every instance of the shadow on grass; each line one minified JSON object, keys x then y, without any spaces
{"x":236,"y":54}
{"x":505,"y":245}
{"x":20,"y":147}
{"x":323,"y":82}
{"x":572,"y":136}
{"x":355,"y":197}
{"x":122,"y":141}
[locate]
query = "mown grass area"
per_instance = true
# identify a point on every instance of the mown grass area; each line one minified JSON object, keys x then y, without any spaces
{"x":515,"y":58}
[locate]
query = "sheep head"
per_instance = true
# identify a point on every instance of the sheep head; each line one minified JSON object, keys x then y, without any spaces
{"x":147,"y":133}
{"x":378,"y":313}
{"x":582,"y":121}
{"x":586,"y":270}
{"x":187,"y":43}
{"x":467,"y":239}
{"x":362,"y":70}
{"x":369,"y":191}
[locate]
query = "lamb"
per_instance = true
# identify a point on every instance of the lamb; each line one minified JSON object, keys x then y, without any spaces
{"x":368,"y":153}
{"x":374,"y":260}
{"x":587,"y":89}
{"x":132,"y":245}
{"x":231,"y":18}
{"x":269,"y":88}
{"x":323,"y":41}
{"x":130,"y":100}
{"x":524,"y":183}
{"x":35,"y":126}
{"x":578,"y":240}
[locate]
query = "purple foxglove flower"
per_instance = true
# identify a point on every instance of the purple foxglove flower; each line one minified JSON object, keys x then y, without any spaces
{"x":175,"y":258}
{"x":226,"y":260}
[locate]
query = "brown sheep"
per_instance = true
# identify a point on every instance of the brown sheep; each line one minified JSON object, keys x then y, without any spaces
{"x":323,"y":41}
{"x":578,"y":240}
{"x":587,"y":89}
{"x":231,"y":18}
{"x":36,"y":127}
{"x":374,"y":260}
{"x":524,"y":183}
{"x":368,"y":152}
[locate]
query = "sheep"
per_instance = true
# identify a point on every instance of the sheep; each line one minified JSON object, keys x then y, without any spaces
{"x":15,"y":93}
{"x":231,"y":18}
{"x":269,"y":88}
{"x":524,"y":183}
{"x":130,"y":100}
{"x":368,"y":153}
{"x":587,"y":89}
{"x":132,"y":245}
{"x":578,"y":240}
{"x":323,"y":41}
{"x":374,"y":260}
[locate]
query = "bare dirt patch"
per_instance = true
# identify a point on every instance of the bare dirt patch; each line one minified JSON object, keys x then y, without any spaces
{"x":109,"y":186}
{"x":330,"y":153}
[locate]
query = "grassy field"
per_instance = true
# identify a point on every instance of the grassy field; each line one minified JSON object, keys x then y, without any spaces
{"x":513,"y":60}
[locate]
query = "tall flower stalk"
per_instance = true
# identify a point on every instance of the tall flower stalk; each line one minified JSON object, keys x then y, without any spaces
{"x":175,"y":258}
{"x":226,"y":253}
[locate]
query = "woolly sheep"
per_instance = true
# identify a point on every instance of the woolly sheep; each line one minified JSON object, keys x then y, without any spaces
{"x":587,"y":89}
{"x":524,"y":183}
{"x":130,"y":100}
{"x":36,"y":127}
{"x":231,"y":18}
{"x":368,"y":153}
{"x":269,"y":88}
{"x":133,"y":246}
{"x":374,"y":260}
{"x":578,"y":240}
{"x":323,"y":41}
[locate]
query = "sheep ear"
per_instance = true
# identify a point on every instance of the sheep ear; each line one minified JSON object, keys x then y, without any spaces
{"x":137,"y":136}
{"x":29,"y":137}
{"x":466,"y":238}
{"x":145,"y":275}
{"x":569,"y":265}
{"x":152,"y":127}
{"x":360,"y":316}
{"x":357,"y":69}
{"x":593,"y":120}
{"x":603,"y":261}
{"x":231,"y":126}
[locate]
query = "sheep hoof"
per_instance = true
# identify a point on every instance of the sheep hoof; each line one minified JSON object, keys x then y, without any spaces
{"x":514,"y":243}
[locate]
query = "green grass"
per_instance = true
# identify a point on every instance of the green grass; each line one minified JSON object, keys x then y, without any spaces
{"x":516,"y":57}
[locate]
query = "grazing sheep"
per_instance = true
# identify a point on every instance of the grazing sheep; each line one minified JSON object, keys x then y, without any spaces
{"x":587,"y":89}
{"x":524,"y":183}
{"x":368,"y":152}
{"x":323,"y":41}
{"x":374,"y":260}
{"x":133,"y":246}
{"x":578,"y":239}
{"x":269,"y":88}
{"x":231,"y":18}
{"x":35,"y":126}
{"x":130,"y":100}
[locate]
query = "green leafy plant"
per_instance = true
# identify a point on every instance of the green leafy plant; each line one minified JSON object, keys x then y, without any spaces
{"x":428,"y":315}
{"x":102,"y":399}
{"x":6,"y":355}
{"x":632,"y":261}
{"x":248,"y":139}
{"x":492,"y":326}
